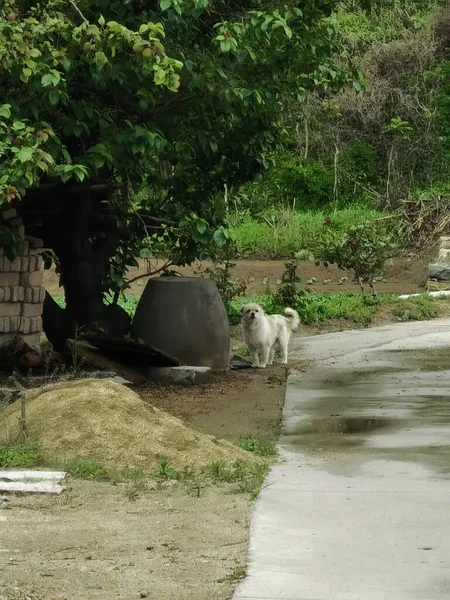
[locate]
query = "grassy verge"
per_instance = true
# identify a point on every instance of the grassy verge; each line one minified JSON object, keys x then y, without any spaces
{"x":359,"y":309}
{"x":281,"y":234}
{"x":315,"y":309}
{"x":243,"y":477}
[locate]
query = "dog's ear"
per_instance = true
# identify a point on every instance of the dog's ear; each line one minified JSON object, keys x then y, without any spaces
{"x":242,"y":309}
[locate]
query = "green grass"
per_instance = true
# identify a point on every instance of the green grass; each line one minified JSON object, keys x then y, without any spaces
{"x":166,"y":471}
{"x":249,"y":478}
{"x":290,"y":231}
{"x":354,"y":307}
{"x":317,"y":308}
{"x":258,"y":446}
{"x":129,"y":302}
{"x":20,"y":455}
{"x":88,"y":469}
{"x":417,"y":308}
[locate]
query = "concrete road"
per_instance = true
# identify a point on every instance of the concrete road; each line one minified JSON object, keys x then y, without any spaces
{"x":359,"y":507}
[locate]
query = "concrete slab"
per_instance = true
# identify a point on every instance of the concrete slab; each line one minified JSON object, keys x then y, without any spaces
{"x":359,"y":506}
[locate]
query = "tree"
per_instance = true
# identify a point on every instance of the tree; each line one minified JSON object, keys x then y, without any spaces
{"x":103,"y":98}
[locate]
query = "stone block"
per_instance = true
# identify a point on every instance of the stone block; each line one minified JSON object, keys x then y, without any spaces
{"x":25,"y":326}
{"x":34,"y":242}
{"x":28,"y":295}
{"x":8,"y":214}
{"x":39,"y":263}
{"x":440,"y":272}
{"x":31,"y":309}
{"x":15,"y":265}
{"x":15,"y":222}
{"x":17,"y":293}
{"x":438,"y":286}
{"x":5,"y":265}
{"x":19,"y":232}
{"x":24,"y":264}
{"x":32,"y":279}
{"x":10,"y":309}
{"x":42,"y":294}
{"x":7,"y":279}
{"x":37,"y":294}
{"x":185,"y":375}
{"x":14,"y":323}
{"x":4,"y":325}
{"x":32,"y":263}
{"x":25,"y":248}
{"x":5,"y":294}
{"x":35,"y":324}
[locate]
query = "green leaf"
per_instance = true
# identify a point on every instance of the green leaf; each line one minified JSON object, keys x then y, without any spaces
{"x":101,"y":21}
{"x":201,"y":226}
{"x":25,"y":154}
{"x":160,"y":76}
{"x":5,"y":111}
{"x":165,"y":4}
{"x":52,"y":78}
{"x":219,"y":237}
{"x":53,"y":97}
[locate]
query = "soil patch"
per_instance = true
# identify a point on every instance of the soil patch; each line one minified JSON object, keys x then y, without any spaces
{"x":407,"y":275}
{"x":94,"y":543}
{"x":238,"y":404}
{"x":109,"y":423}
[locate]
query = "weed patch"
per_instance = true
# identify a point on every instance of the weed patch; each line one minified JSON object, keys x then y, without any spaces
{"x":249,"y":478}
{"x":20,"y":455}
{"x":165,"y":471}
{"x":88,"y":469}
{"x":257,"y":446}
{"x":281,"y":234}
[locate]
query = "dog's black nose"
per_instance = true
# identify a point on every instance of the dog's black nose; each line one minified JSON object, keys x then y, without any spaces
{"x":252,"y":315}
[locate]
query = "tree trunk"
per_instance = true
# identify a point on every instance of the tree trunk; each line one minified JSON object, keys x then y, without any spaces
{"x":84,"y":249}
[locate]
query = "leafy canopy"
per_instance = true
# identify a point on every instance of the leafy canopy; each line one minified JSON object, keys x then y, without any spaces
{"x":181,"y":94}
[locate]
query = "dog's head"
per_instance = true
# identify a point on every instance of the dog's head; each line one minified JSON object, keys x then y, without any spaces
{"x":250,"y":313}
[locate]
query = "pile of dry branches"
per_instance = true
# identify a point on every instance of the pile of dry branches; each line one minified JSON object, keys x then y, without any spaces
{"x":425,"y":220}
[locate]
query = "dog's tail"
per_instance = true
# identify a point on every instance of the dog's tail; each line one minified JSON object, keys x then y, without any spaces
{"x":293,"y":317}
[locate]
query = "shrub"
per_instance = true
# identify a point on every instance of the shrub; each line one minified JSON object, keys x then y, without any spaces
{"x":364,"y":249}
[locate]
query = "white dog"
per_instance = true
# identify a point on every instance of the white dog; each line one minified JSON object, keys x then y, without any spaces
{"x":262,"y":332}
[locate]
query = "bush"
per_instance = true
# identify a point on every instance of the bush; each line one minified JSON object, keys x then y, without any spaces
{"x":365,"y":249}
{"x":305,"y":185}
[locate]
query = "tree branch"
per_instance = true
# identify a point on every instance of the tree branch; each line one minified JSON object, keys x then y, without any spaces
{"x":165,"y":266}
{"x":74,"y":4}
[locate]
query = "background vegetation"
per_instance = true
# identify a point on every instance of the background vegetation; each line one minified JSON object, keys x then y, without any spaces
{"x":354,"y":154}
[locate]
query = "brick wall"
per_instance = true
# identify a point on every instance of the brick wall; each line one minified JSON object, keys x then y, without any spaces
{"x":21,"y":290}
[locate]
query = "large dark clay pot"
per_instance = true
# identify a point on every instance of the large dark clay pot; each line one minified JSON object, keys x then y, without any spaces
{"x":184,"y":316}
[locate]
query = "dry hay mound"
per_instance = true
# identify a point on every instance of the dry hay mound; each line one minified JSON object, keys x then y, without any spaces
{"x":109,"y":423}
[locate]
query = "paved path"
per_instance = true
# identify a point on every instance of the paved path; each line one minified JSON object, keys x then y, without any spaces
{"x":359,"y":509}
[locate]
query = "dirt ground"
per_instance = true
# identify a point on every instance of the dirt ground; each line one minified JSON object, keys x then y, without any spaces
{"x":406,"y":275}
{"x":95,"y":543}
{"x":143,"y":539}
{"x":170,"y":541}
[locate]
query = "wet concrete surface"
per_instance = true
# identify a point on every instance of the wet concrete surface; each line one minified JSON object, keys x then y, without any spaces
{"x":359,"y":509}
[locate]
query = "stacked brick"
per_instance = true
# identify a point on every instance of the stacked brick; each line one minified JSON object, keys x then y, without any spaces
{"x":21,"y":290}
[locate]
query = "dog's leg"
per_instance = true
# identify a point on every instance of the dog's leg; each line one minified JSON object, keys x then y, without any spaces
{"x":284,"y":342}
{"x":271,"y":355}
{"x":264,"y":357}
{"x":255,"y":358}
